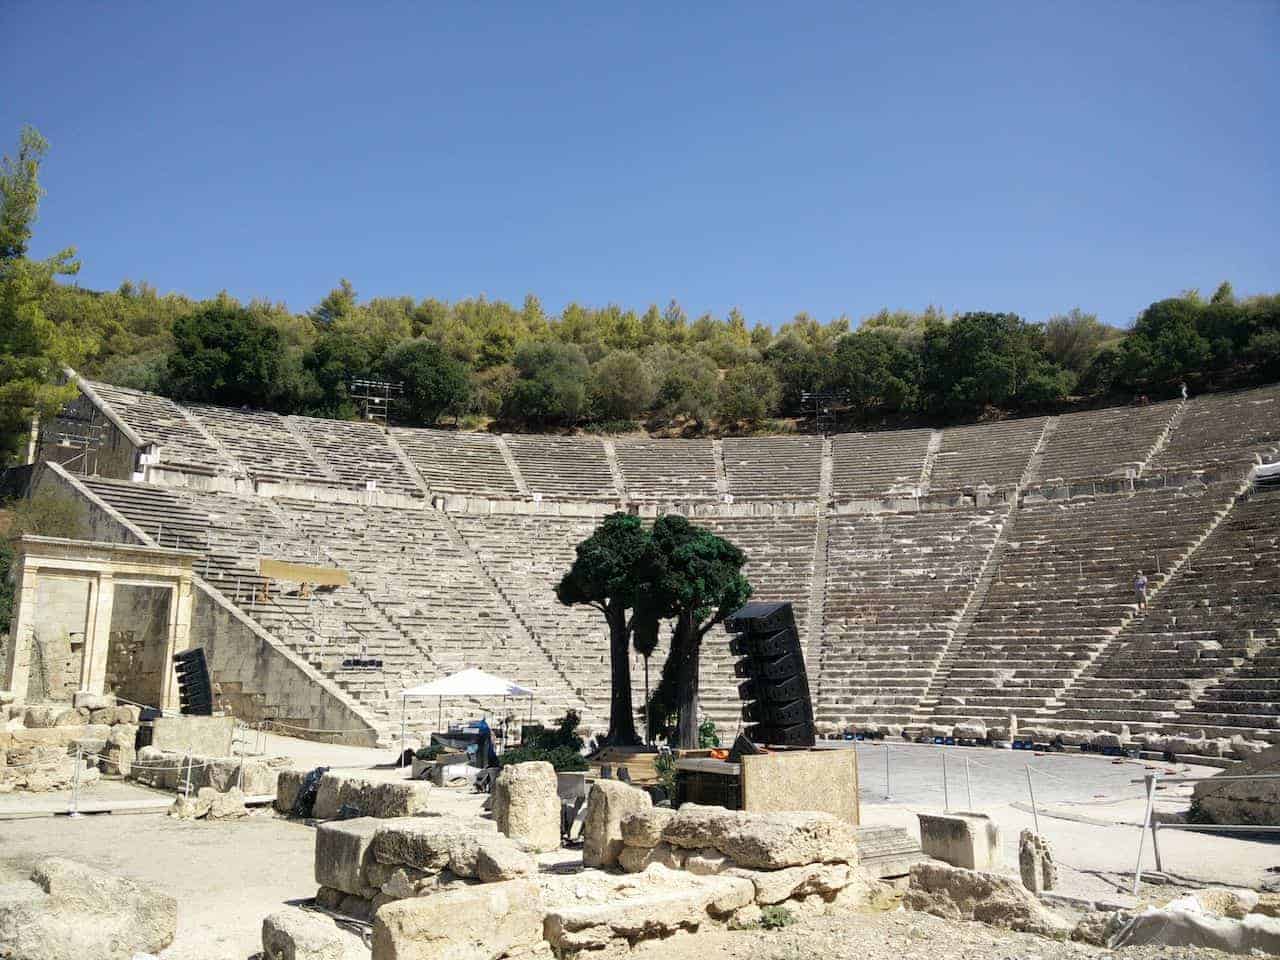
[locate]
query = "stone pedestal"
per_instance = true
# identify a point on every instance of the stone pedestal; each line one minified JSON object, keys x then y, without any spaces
{"x":969,"y":840}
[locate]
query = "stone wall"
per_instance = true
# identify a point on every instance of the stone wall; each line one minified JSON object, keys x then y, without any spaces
{"x":135,"y":657}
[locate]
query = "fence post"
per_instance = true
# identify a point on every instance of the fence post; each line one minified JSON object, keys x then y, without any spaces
{"x":75,"y":784}
{"x":967,"y":785}
{"x":186,"y":787}
{"x":1146,"y":822}
{"x":888,"y":794}
{"x":1035,"y":814}
{"x":946,"y":793}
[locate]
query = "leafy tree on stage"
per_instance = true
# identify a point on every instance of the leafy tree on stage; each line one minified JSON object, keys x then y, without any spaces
{"x":695,"y":578}
{"x":33,"y":348}
{"x":605,"y":576}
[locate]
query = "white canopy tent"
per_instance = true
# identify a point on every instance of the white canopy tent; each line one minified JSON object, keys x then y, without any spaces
{"x":471,"y":682}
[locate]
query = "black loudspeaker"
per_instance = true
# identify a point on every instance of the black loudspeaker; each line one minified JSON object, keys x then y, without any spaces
{"x":195,"y":692}
{"x":775,"y":687}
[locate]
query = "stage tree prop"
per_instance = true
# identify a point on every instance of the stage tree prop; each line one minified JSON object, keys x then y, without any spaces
{"x":605,"y":576}
{"x":695,"y":578}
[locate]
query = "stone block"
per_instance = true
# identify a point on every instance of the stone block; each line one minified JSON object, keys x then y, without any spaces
{"x":42,"y":717}
{"x":639,"y":859}
{"x":74,"y":911}
{"x":968,"y":840}
{"x":643,"y":828}
{"x":203,"y":736}
{"x":809,"y":780}
{"x":228,"y":805}
{"x":764,"y":841}
{"x":439,"y":843}
{"x":288,"y":783}
{"x":1243,"y":801}
{"x":526,"y":806}
{"x":473,"y":923}
{"x":76,"y":718}
{"x":607,"y":803}
{"x":93,"y":701}
{"x":373,"y":798}
{"x":1036,"y":865}
{"x":343,"y":853}
{"x":293,"y":934}
{"x":954,"y":893}
{"x":796,"y":883}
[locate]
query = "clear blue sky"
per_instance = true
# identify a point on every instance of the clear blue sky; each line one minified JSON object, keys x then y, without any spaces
{"x":779,"y":157}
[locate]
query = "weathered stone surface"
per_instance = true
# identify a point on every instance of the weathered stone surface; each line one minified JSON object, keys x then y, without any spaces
{"x":669,"y":903}
{"x":526,"y":806}
{"x":193,"y":807}
{"x":968,"y":840}
{"x":796,"y":883}
{"x":74,"y":912}
{"x":93,"y":701}
{"x":638,"y":859}
{"x":1242,"y":801}
{"x":643,"y":828}
{"x":1179,"y":926}
{"x":435,"y":844}
{"x":1035,"y":862}
{"x":288,"y":783}
{"x":607,"y":803}
{"x":955,"y":893}
{"x":500,"y":859}
{"x":293,"y":934}
{"x":473,"y":923}
{"x":706,"y":863}
{"x":343,"y":851}
{"x":764,"y":841}
{"x":227,"y":806}
{"x":373,"y":798}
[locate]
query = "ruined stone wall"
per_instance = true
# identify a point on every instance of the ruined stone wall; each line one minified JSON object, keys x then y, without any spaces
{"x":136,"y":655}
{"x":63,"y":605}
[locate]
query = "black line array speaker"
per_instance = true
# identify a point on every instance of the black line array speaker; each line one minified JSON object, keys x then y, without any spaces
{"x":195,"y":692}
{"x":774,"y":688}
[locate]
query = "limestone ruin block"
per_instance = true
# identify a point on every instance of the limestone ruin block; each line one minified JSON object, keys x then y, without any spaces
{"x":644,"y":828}
{"x":293,"y":934}
{"x":795,"y":883}
{"x":373,"y":798}
{"x":526,"y":806}
{"x":342,"y":854}
{"x":968,"y":840}
{"x":764,"y":841}
{"x":481,"y":922}
{"x":1036,"y":863}
{"x":607,"y":803}
{"x":639,"y":859}
{"x":1242,"y":801}
{"x":71,"y":911}
{"x":955,"y":893}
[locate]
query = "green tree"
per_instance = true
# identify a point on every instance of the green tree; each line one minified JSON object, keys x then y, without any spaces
{"x":979,"y":359}
{"x":797,"y":367}
{"x":686,"y":384}
{"x":433,"y":381}
{"x":339,"y":354}
{"x":1072,"y":339}
{"x":338,"y":304}
{"x":550,"y":385}
{"x":1165,"y":343}
{"x":622,"y":386}
{"x":694,"y":578}
{"x":606,"y":575}
{"x":876,"y":370}
{"x":225,"y":354}
{"x":33,"y":348}
{"x":749,"y":392}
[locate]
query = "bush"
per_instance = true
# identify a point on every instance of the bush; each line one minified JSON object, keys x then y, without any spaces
{"x":564,"y":759}
{"x":430,"y":752}
{"x":665,"y":768}
{"x":775,"y":917}
{"x":707,"y":736}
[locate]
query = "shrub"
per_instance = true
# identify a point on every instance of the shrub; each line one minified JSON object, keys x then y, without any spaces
{"x":775,"y":917}
{"x":564,"y":759}
{"x":707,"y":736}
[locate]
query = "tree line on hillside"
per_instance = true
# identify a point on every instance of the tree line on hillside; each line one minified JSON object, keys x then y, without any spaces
{"x":601,"y":368}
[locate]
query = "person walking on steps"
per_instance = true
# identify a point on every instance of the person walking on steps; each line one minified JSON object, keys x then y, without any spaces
{"x":1140,"y":588}
{"x":1183,"y":387}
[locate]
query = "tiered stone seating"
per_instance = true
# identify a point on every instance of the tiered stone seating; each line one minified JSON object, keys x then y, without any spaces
{"x":357,"y":452}
{"x":527,"y":556}
{"x":1100,"y":443}
{"x":1224,"y":428}
{"x":991,"y":454}
{"x":773,"y":467}
{"x":1196,"y":634}
{"x":262,"y":443}
{"x":457,"y":462}
{"x":896,"y":586}
{"x":780,"y":554}
{"x":563,"y":467}
{"x":232,"y":533}
{"x":1063,"y":589}
{"x":418,"y":578}
{"x":667,"y":469}
{"x":159,"y":420}
{"x":875,"y":464}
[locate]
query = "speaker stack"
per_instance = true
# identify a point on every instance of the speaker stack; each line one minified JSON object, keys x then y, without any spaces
{"x":774,"y":688}
{"x":195,"y":692}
